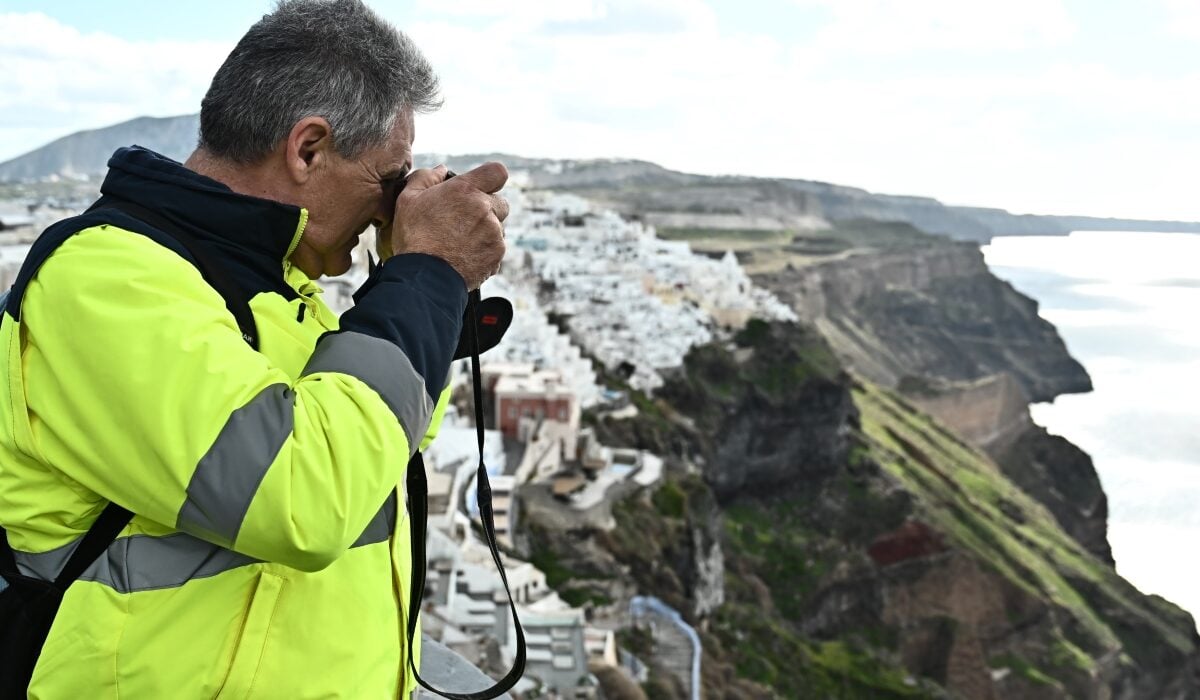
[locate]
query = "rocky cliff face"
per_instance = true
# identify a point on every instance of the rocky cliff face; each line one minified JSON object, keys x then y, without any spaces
{"x":1061,"y":477}
{"x":1024,"y":594}
{"x":752,"y":433}
{"x":988,"y":411}
{"x":929,"y":319}
{"x":932,"y":311}
{"x":889,"y":558}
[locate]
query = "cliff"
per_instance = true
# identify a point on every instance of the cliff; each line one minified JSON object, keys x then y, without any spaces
{"x":927,"y":309}
{"x":925,"y":316}
{"x":888,"y":558}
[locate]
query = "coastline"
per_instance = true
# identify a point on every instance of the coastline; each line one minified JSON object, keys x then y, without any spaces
{"x":1120,"y":305}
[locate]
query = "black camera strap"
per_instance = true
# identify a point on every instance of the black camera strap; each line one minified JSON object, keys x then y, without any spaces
{"x":418,"y":507}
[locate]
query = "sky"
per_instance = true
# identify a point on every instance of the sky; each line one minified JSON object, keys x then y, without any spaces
{"x":1036,"y":106}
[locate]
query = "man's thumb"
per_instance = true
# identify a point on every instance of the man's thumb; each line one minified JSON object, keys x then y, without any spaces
{"x":489,"y":177}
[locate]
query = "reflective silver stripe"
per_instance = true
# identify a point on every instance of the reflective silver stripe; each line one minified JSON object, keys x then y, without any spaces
{"x":146,"y":563}
{"x":140,"y":562}
{"x":381,"y":526}
{"x":381,"y":365}
{"x":228,"y":476}
{"x":45,"y":565}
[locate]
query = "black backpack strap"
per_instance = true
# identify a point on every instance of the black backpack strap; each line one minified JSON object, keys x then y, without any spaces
{"x":8,"y":559}
{"x":236,"y":299}
{"x":99,"y":536}
{"x":418,"y":506}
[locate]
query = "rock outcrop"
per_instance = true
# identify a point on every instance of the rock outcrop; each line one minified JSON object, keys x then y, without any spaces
{"x":992,"y":410}
{"x":750,"y":427}
{"x":666,"y":541}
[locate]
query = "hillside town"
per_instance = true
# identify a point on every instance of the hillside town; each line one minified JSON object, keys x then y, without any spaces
{"x":589,"y":288}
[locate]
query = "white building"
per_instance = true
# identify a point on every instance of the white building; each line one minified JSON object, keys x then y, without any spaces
{"x":631,"y":299}
{"x":556,"y":649}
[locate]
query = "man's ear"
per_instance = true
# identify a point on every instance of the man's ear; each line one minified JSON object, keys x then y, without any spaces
{"x":308,"y":149}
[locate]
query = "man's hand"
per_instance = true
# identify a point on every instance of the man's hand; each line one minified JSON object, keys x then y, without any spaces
{"x":458,"y":220}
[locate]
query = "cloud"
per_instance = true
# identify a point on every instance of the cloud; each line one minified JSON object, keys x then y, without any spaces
{"x":1183,"y":18}
{"x":580,"y":16}
{"x":527,"y":11}
{"x":640,"y":17}
{"x":903,"y":26}
{"x":971,"y":104}
{"x":56,"y":79}
{"x":977,"y":123}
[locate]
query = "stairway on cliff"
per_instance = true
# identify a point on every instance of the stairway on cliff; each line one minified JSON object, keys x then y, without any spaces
{"x":672,"y":649}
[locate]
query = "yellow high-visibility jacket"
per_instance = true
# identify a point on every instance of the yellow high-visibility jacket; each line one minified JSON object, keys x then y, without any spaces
{"x":267,"y":556}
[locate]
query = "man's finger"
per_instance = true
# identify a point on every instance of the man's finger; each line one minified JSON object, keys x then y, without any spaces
{"x":423,"y":179}
{"x":383,"y":241}
{"x":500,"y":207}
{"x":489,"y":177}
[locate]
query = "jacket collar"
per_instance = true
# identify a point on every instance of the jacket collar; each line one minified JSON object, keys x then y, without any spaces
{"x":260,"y":227}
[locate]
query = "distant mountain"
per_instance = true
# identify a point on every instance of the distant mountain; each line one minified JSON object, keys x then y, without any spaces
{"x":87,"y":152}
{"x":664,"y":197}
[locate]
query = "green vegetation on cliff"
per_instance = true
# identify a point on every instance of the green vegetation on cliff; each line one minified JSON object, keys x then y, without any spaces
{"x":776,"y":560}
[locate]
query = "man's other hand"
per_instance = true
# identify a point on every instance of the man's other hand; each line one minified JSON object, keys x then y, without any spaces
{"x":458,"y":220}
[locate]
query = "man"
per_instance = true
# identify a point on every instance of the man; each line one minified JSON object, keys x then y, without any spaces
{"x":267,"y":556}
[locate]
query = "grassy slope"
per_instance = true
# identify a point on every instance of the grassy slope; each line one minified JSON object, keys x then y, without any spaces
{"x":963,"y":494}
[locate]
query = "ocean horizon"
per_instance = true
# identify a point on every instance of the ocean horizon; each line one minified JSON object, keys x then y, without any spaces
{"x":1127,"y":304}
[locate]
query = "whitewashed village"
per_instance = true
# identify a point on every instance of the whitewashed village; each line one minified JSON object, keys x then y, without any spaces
{"x":623,"y":298}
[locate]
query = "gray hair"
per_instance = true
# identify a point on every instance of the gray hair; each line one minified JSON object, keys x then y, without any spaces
{"x":329,"y":58}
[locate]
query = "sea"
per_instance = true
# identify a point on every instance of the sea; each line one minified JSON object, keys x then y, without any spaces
{"x":1127,"y":304}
